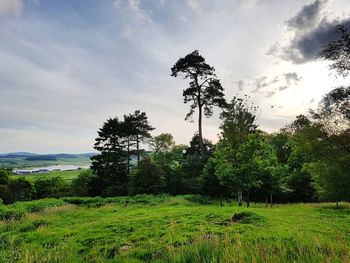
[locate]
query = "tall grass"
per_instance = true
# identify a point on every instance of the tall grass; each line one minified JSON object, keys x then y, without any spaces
{"x":227,"y":249}
{"x":172,"y":229}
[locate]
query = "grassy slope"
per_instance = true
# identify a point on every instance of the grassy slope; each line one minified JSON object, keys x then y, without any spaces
{"x":178,"y":230}
{"x":68,"y":176}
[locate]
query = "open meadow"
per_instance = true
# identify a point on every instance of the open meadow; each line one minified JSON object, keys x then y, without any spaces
{"x":148,"y":228}
{"x":67,"y":176}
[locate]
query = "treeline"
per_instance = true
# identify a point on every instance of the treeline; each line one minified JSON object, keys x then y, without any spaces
{"x":306,"y":161}
{"x":303,"y":162}
{"x":20,"y":189}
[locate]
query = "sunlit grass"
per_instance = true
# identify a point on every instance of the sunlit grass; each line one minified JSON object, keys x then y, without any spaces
{"x":176,"y":229}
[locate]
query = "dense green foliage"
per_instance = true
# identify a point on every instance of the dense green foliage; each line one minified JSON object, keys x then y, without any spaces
{"x":171,"y":229}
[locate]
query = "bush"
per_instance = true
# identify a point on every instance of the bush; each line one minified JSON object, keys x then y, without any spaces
{"x":4,"y":176}
{"x":52,"y":187}
{"x":21,"y":189}
{"x":6,"y":194}
{"x":149,"y":178}
{"x":87,"y":201}
{"x":82,"y":185}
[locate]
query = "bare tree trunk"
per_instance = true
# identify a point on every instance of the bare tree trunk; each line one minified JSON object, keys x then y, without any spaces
{"x":271,"y":199}
{"x":221,"y":199}
{"x":128,"y":155}
{"x":240,"y":198}
{"x":266,"y":201}
{"x":200,"y":134}
{"x":199,"y":102}
{"x":138,"y":149}
{"x":248,"y":201}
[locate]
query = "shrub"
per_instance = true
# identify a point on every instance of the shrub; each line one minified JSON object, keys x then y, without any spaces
{"x":149,"y":178}
{"x":51,"y":187}
{"x":6,"y":194}
{"x":21,"y":189}
{"x":4,"y":176}
{"x":81,"y":186}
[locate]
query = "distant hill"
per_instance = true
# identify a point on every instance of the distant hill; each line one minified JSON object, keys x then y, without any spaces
{"x":41,"y":158}
{"x":16,"y":160}
{"x":18,"y":154}
{"x":36,"y":156}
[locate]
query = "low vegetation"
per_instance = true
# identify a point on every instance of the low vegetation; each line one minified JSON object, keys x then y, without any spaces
{"x":172,"y":229}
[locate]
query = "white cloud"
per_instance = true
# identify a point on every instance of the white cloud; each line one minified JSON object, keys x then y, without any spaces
{"x":135,"y":17}
{"x":132,"y":9}
{"x":194,"y":4}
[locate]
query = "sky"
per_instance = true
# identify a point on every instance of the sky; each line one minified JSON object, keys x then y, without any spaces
{"x":69,"y":65}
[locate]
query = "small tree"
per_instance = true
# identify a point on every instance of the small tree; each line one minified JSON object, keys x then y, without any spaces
{"x":21,"y":189}
{"x":193,"y":163}
{"x":204,"y":91}
{"x":6,"y":195}
{"x":83,"y":184}
{"x":162,"y":143}
{"x":171,"y":163}
{"x":149,"y":178}
{"x":252,"y":165}
{"x":4,"y":176}
{"x":50,"y":187}
{"x":210,"y":182}
{"x":256,"y":165}
{"x":238,"y":120}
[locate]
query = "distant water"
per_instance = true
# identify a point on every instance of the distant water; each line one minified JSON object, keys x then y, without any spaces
{"x":61,"y":167}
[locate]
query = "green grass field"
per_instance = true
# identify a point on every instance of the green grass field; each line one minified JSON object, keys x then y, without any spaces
{"x":67,"y":176}
{"x":172,"y":229}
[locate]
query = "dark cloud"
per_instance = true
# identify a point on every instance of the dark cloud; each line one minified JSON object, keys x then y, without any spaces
{"x":265,"y":81}
{"x":283,"y":88}
{"x":307,"y":47}
{"x":311,"y":30}
{"x":308,"y":16}
{"x":291,"y":76}
{"x":261,"y":83}
{"x":268,"y":86}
